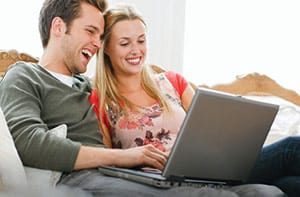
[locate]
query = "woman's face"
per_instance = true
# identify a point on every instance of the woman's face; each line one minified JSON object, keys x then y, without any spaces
{"x":127,"y":47}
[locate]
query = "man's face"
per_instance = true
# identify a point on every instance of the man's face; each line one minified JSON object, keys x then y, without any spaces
{"x":82,"y":40}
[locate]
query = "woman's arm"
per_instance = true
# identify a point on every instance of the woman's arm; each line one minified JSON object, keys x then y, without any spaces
{"x":187,"y":97}
{"x":183,"y":87}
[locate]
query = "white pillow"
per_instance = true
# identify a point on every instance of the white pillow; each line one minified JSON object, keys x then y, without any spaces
{"x":287,"y":120}
{"x":36,"y":177}
{"x":12,"y":175}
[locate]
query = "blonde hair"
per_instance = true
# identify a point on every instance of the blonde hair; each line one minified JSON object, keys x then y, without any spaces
{"x":105,"y":82}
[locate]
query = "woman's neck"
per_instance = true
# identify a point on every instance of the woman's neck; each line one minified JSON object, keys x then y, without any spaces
{"x":129,"y":84}
{"x":131,"y":88}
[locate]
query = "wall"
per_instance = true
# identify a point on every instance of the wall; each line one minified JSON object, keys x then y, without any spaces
{"x":165,"y":20}
{"x":19,"y":26}
{"x":234,"y":37}
{"x":219,"y":39}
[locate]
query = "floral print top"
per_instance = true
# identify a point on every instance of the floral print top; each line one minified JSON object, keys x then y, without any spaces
{"x":149,"y":125}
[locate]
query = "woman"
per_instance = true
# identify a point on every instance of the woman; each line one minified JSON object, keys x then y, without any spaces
{"x":138,"y":107}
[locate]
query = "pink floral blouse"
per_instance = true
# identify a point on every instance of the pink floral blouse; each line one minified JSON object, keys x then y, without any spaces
{"x":149,"y":125}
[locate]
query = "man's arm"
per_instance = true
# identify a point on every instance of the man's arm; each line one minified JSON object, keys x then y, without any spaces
{"x":90,"y":157}
{"x":24,"y":103}
{"x":21,"y":99}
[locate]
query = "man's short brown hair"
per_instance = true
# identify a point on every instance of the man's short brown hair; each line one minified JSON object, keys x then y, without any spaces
{"x":68,"y":10}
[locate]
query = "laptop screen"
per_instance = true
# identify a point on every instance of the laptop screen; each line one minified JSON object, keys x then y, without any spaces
{"x":220,"y":138}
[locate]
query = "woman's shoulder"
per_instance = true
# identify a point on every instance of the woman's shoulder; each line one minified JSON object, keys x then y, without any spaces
{"x":177,"y":81}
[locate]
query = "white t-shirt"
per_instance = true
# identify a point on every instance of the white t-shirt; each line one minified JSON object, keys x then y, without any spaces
{"x":68,"y":80}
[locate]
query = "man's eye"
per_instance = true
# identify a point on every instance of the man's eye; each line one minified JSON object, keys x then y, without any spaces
{"x":90,"y":31}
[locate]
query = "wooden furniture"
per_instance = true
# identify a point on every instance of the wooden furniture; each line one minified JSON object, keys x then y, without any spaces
{"x":12,"y":56}
{"x":256,"y":84}
{"x":253,"y":84}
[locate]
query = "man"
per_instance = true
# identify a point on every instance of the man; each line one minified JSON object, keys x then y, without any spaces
{"x":38,"y":97}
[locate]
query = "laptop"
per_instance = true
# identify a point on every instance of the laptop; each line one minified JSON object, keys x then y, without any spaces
{"x":217,"y":145}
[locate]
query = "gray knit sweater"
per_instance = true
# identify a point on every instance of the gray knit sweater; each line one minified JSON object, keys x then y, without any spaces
{"x":33,"y":101}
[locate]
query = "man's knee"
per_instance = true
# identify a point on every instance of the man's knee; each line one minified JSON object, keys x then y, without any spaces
{"x":252,"y":190}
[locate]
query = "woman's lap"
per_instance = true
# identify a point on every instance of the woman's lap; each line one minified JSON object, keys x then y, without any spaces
{"x":100,"y":185}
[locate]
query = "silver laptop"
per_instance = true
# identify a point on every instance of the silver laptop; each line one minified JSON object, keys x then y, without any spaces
{"x":217,"y":145}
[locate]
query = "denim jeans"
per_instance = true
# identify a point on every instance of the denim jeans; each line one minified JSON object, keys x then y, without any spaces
{"x":99,"y":185}
{"x":279,"y":164}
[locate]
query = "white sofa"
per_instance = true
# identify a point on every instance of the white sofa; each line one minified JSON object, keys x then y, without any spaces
{"x":12,"y":172}
{"x":21,"y":181}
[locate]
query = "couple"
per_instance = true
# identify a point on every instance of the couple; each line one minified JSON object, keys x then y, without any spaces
{"x":125,"y":98}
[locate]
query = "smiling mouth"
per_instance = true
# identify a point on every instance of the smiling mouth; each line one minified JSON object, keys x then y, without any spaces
{"x":134,"y":60}
{"x":87,"y":54}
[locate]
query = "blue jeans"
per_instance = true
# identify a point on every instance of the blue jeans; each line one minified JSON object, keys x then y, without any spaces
{"x":279,"y":164}
{"x":99,"y":185}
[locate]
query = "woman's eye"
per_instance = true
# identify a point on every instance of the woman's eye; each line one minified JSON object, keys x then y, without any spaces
{"x":123,"y":44}
{"x":141,"y":41}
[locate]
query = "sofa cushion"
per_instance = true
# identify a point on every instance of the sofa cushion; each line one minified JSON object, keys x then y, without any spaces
{"x":12,"y":174}
{"x":37,"y":176}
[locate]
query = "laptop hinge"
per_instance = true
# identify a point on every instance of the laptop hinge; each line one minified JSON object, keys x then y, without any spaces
{"x":176,"y":178}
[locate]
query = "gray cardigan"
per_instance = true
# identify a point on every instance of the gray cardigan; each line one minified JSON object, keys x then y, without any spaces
{"x":33,"y":102}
